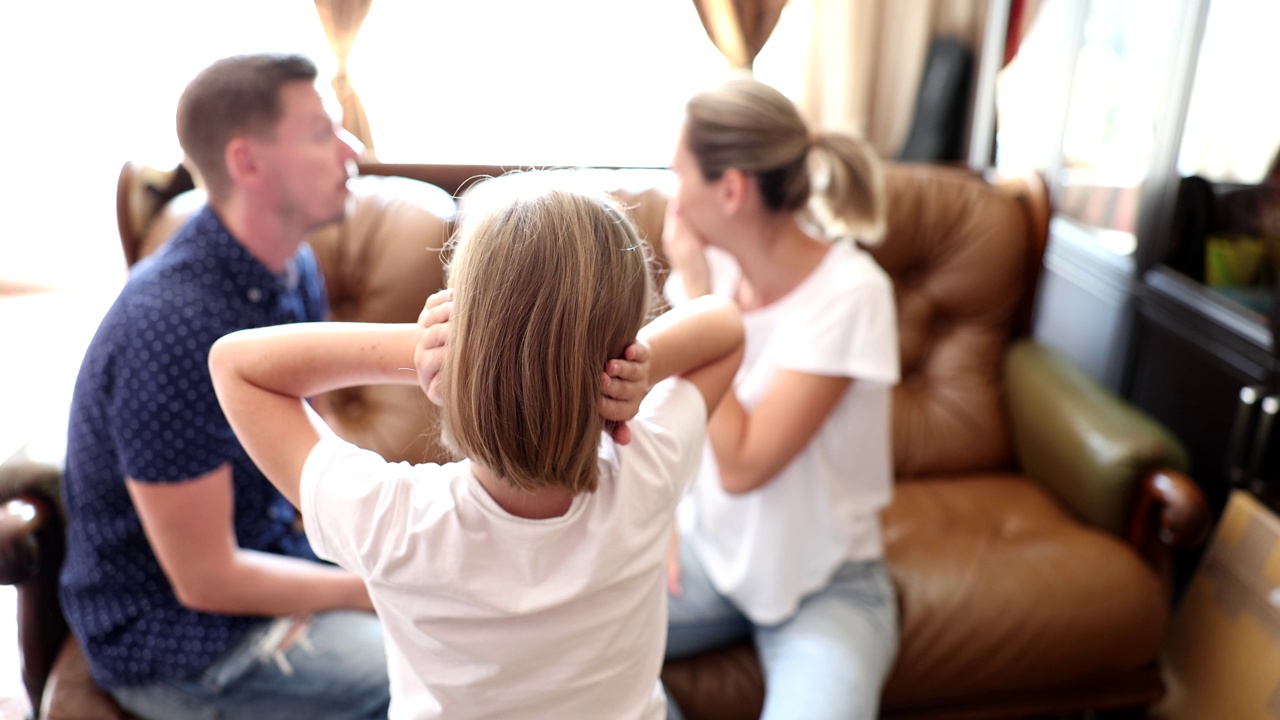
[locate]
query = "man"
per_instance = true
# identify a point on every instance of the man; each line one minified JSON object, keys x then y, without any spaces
{"x":186,"y":580}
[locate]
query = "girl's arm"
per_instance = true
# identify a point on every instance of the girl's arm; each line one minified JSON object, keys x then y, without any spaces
{"x":752,"y":448}
{"x":701,"y":340}
{"x":262,"y":375}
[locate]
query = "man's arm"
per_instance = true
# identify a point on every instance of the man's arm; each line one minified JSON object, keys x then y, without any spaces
{"x":190,"y":526}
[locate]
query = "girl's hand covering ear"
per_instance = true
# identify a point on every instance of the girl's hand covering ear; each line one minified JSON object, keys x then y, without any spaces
{"x":625,"y":382}
{"x":428,"y":356}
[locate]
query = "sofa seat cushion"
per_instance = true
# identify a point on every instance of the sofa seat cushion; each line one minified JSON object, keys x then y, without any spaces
{"x":71,"y":693}
{"x":1001,"y":590}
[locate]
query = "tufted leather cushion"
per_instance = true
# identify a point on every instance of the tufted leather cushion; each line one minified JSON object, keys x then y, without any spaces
{"x":379,"y":265}
{"x":955,"y":251}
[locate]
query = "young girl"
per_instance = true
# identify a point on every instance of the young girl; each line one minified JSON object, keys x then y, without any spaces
{"x":784,"y":544}
{"x":524,"y":580}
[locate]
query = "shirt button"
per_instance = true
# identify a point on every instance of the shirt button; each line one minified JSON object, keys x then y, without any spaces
{"x":255,"y":294}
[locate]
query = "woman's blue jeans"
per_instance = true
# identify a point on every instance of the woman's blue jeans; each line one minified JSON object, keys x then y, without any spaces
{"x":828,"y":660}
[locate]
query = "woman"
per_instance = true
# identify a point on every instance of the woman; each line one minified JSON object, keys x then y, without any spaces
{"x":782,"y":543}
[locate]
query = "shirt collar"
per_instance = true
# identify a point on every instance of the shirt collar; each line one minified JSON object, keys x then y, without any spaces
{"x":256,"y":281}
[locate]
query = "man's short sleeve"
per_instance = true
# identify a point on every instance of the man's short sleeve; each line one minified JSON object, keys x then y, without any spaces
{"x":167,"y":424}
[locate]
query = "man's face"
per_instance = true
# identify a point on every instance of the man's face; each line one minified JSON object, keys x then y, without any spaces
{"x":307,"y":160}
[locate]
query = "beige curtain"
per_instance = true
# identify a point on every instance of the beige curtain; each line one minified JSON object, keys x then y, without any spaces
{"x":739,"y":28}
{"x":342,"y":20}
{"x":866,"y":58}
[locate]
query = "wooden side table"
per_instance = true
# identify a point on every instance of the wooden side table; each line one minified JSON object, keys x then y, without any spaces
{"x":1223,"y":654}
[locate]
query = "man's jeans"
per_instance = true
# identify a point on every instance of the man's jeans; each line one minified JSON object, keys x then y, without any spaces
{"x":335,"y":667}
{"x":828,"y":660}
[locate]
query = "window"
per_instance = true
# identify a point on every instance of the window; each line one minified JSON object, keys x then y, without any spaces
{"x":1233,"y":120}
{"x":91,"y":85}
{"x":599,"y":82}
{"x":563,"y":82}
{"x":1109,"y":132}
{"x":1111,"y":123}
{"x":1227,"y":224}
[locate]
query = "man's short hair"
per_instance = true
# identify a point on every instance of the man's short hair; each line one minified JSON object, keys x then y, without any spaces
{"x":233,"y":97}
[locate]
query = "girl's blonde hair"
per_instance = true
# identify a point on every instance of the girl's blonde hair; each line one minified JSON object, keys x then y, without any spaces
{"x":549,"y":286}
{"x":750,"y":126}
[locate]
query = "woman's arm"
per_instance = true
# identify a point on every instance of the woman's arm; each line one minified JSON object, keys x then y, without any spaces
{"x":752,"y":448}
{"x":262,"y":375}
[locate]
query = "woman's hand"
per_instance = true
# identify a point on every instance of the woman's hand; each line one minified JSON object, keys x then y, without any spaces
{"x":625,"y":382}
{"x":685,"y":250}
{"x":428,"y":356}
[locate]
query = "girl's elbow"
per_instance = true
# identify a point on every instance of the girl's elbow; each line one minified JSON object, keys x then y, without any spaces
{"x":739,"y":482}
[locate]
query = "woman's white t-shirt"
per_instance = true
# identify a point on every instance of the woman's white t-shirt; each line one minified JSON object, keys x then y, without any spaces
{"x":769,"y":548}
{"x":488,"y":615}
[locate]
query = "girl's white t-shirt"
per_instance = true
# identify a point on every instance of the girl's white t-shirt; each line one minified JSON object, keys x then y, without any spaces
{"x":769,"y":548}
{"x":488,"y":615}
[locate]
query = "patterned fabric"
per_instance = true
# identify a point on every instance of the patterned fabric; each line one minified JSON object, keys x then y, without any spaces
{"x":144,"y":408}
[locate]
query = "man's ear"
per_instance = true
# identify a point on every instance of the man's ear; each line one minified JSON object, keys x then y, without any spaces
{"x":734,"y":188}
{"x":242,"y":162}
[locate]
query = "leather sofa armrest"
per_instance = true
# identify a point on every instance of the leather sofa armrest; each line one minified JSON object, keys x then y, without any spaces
{"x":30,"y":508}
{"x":1093,"y":450}
{"x":31,"y":550}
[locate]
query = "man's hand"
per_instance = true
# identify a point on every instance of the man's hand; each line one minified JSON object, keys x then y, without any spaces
{"x":625,"y":382}
{"x":428,"y":356}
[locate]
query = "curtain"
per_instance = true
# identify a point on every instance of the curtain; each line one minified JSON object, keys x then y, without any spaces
{"x":1021,"y":13}
{"x":739,"y":28}
{"x":342,"y":20}
{"x":866,"y":58}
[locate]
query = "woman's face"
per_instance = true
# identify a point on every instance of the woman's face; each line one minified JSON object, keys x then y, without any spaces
{"x":695,"y":196}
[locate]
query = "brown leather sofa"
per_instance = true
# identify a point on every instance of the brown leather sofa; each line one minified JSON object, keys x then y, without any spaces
{"x":1034,"y":515}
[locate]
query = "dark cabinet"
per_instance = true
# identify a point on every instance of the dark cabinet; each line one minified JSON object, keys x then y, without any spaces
{"x":1191,"y":361}
{"x":1201,"y":352}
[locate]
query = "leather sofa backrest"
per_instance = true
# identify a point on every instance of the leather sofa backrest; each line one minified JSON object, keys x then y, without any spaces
{"x":957,"y":249}
{"x":380,"y":263}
